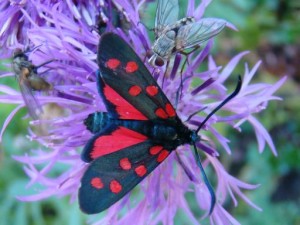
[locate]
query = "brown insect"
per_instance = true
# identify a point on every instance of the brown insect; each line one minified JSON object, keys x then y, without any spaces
{"x":29,"y":80}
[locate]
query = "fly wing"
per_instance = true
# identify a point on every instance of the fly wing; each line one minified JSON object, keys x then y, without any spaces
{"x":166,"y":14}
{"x":196,"y":33}
{"x":33,"y":106}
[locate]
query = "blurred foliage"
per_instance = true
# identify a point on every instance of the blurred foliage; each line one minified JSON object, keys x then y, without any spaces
{"x":267,"y":28}
{"x":270,"y":29}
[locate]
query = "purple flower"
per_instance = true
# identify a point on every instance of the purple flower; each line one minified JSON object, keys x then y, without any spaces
{"x":67,"y":32}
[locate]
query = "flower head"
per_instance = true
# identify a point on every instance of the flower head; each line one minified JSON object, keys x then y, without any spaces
{"x":68,"y":33}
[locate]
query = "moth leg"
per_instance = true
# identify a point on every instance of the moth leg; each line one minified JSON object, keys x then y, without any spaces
{"x":187,"y":170}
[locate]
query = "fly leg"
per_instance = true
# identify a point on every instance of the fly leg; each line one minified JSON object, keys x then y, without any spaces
{"x":186,"y":54}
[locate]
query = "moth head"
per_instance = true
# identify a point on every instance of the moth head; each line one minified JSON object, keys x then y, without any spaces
{"x":195,"y":137}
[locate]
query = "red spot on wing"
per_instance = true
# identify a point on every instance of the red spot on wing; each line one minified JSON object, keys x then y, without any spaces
{"x":162,"y":155}
{"x":119,"y":139}
{"x":135,"y":90}
{"x":170,"y":110}
{"x":155,"y":149}
{"x":113,"y":63}
{"x":115,"y":186}
{"x":160,"y":112}
{"x":123,"y":107}
{"x":152,"y":90}
{"x":141,"y":170}
{"x":125,"y":164}
{"x":131,"y":66}
{"x":97,"y":183}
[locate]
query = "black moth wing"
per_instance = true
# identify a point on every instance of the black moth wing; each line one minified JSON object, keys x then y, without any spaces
{"x":110,"y":177}
{"x":129,"y":78}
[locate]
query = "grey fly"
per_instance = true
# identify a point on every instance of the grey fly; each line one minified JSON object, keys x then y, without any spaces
{"x":173,"y":35}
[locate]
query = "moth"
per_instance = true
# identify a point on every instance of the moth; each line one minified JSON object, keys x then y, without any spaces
{"x":173,"y":35}
{"x":29,"y":80}
{"x":137,"y":133}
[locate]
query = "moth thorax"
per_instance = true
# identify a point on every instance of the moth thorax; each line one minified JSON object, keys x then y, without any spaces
{"x":163,"y":132}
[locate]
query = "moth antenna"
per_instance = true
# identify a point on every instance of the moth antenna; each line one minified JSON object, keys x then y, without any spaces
{"x":233,"y":94}
{"x":206,"y":181}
